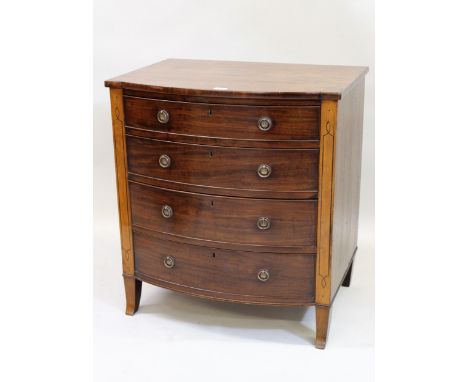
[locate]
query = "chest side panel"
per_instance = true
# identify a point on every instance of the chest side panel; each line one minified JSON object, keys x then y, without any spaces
{"x":347,"y":181}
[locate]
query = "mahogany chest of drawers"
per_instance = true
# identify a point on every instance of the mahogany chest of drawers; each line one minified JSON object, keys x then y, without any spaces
{"x":239,"y":181}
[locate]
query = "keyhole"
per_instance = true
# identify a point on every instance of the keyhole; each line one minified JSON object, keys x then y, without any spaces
{"x":212,"y":203}
{"x":211,"y":153}
{"x":214,"y":255}
{"x":210,"y":113}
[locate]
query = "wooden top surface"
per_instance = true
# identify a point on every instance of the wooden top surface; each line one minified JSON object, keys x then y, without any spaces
{"x":244,"y":79}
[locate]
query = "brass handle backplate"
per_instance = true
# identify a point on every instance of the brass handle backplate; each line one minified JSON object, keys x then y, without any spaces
{"x":263,"y":275}
{"x":165,"y":161}
{"x":263,"y":223}
{"x":166,"y":211}
{"x":163,"y":116}
{"x":169,"y":262}
{"x":264,"y":123}
{"x":264,"y":170}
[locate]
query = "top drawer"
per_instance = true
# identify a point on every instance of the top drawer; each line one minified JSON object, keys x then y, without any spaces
{"x":270,"y":123}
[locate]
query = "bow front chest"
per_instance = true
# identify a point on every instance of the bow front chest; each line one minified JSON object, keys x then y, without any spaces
{"x":239,"y":181}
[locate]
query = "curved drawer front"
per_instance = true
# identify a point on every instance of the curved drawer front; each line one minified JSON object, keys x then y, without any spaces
{"x":225,"y":219}
{"x":221,"y":167}
{"x":224,"y":121}
{"x":225,"y":274}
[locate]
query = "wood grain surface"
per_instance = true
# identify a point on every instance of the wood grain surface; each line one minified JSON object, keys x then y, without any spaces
{"x":224,"y":121}
{"x":216,"y":197}
{"x":233,"y":78}
{"x":347,"y":183}
{"x":226,"y":274}
{"x":222,"y":170}
{"x":225,"y":219}
{"x":325,"y":204}
{"x":322,"y":320}
{"x":121,"y":178}
{"x":219,"y":98}
{"x":132,"y":293}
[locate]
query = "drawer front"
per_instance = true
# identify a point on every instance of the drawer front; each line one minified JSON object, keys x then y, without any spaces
{"x":226,"y":274}
{"x":224,"y":121}
{"x":225,"y":219}
{"x":221,"y":167}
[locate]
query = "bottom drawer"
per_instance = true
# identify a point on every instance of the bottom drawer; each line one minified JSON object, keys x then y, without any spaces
{"x":249,"y":277}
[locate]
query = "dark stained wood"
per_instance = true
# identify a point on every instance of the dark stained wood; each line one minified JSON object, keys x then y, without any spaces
{"x":161,"y":183}
{"x":224,"y":121}
{"x":215,"y":145}
{"x":132,"y":294}
{"x":233,"y":78}
{"x":211,"y":168}
{"x":231,"y":246}
{"x":215,"y":99}
{"x":225,"y":142}
{"x":225,"y":274}
{"x":225,"y":219}
{"x":346,"y":183}
{"x":322,"y":319}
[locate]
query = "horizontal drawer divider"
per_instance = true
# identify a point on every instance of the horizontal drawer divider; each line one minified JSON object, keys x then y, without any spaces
{"x":131,"y":90}
{"x":222,"y":147}
{"x":222,"y":141}
{"x":281,"y":195}
{"x":215,"y":101}
{"x":218,"y":196}
{"x":227,"y":246}
{"x":249,"y":100}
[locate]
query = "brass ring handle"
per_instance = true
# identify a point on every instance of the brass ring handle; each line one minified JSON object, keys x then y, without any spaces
{"x":163,"y":116}
{"x":165,"y":161}
{"x":264,"y":123}
{"x":263,"y":223}
{"x":166,"y":211}
{"x":169,"y":262}
{"x":263,"y":275}
{"x":264,"y":170}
